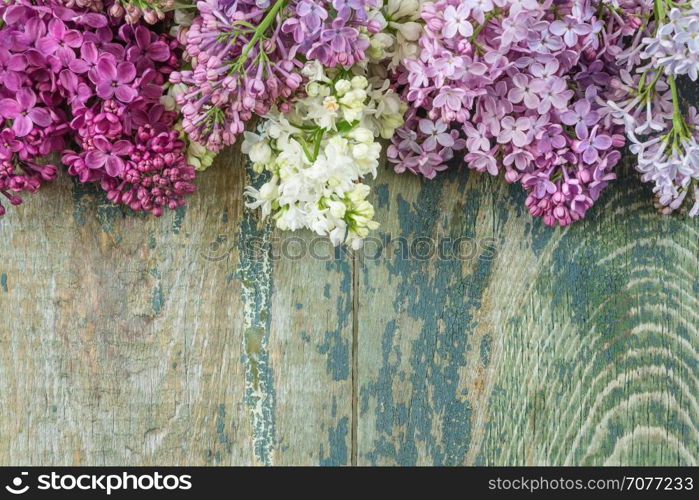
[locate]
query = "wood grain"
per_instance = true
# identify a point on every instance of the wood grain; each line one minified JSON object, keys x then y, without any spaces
{"x":206,"y":337}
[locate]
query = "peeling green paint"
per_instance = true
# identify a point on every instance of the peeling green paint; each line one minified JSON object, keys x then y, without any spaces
{"x":3,"y":282}
{"x":177,"y":221}
{"x":255,"y":274}
{"x":337,"y":445}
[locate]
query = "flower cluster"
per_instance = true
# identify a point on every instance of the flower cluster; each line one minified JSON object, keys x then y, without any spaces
{"x":516,"y":86}
{"x":246,"y":57}
{"x":662,"y":129}
{"x":317,"y":154}
{"x":32,"y":123}
{"x":74,"y":73}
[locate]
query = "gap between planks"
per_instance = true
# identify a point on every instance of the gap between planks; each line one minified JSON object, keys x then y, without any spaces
{"x":355,"y":360}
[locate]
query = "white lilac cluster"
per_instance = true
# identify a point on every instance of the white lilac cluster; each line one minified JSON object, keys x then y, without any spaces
{"x":662,"y":129}
{"x":400,"y":34}
{"x":316,"y":155}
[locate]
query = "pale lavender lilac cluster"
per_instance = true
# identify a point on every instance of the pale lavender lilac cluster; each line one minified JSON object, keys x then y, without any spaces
{"x":516,"y":86}
{"x":73,"y":73}
{"x":661,"y":126}
{"x":247,"y":55}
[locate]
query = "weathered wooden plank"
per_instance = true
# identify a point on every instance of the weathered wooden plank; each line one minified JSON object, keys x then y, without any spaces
{"x":129,"y":340}
{"x":569,"y":346}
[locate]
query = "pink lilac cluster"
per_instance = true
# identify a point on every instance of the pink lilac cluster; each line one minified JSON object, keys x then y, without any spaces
{"x":516,"y":86}
{"x":246,"y":57}
{"x":109,"y":79}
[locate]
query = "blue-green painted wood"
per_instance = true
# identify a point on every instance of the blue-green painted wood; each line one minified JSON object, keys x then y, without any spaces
{"x":545,"y":346}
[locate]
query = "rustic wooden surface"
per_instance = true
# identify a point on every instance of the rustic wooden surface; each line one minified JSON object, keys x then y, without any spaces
{"x":129,"y":340}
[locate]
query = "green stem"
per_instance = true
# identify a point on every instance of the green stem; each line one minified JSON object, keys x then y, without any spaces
{"x":480,"y":27}
{"x":262,"y":28}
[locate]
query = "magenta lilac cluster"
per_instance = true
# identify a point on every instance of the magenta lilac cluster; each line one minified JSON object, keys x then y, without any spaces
{"x":246,"y":56}
{"x":32,"y":122}
{"x":520,"y":88}
{"x":75,"y":76}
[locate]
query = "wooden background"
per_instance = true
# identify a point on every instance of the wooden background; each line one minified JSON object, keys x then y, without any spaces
{"x":130,"y":340}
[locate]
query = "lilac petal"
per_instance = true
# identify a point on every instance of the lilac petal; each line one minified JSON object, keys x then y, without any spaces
{"x":581,"y":130}
{"x":121,"y":147}
{"x":143,"y":37}
{"x":126,"y":72}
{"x":95,"y":159}
{"x":106,"y":69}
{"x":89,"y":52}
{"x":94,"y":20}
{"x":79,"y":66}
{"x":73,"y":39}
{"x":9,"y":108}
{"x":114,"y":166}
{"x":445,"y":140}
{"x":12,"y":81}
{"x":105,"y":90}
{"x":569,"y":118}
{"x":40,"y":116}
{"x":57,"y":29}
{"x":35,"y":58}
{"x":102,"y":144}
{"x":22,"y":125}
{"x":125,"y":93}
{"x":159,"y":51}
{"x":602,"y":142}
{"x":590,"y":155}
{"x":17,"y":62}
{"x":47,"y":45}
{"x":152,"y":91}
{"x":15,"y":13}
{"x":591,"y":118}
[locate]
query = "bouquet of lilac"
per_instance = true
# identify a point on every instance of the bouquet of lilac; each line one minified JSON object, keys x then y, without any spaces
{"x":517,"y":87}
{"x":138,"y":95}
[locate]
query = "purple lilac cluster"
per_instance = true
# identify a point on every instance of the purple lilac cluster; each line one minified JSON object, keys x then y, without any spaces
{"x":518,"y":86}
{"x":82,"y":73}
{"x":247,"y":55}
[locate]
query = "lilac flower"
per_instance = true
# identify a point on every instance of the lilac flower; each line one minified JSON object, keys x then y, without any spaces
{"x":108,"y":155}
{"x":551,"y":138}
{"x":570,"y":28}
{"x":525,"y":91}
{"x":581,"y":116}
{"x":457,"y":21}
{"x":60,"y":41}
{"x":482,"y":161}
{"x":113,"y":80}
{"x":312,"y":14}
{"x":9,"y":144}
{"x":515,"y":131}
{"x":340,"y":38}
{"x":436,"y":134}
{"x":87,"y":60}
{"x":24,"y":111}
{"x":554,"y":94}
{"x":451,"y":98}
{"x":147,"y":48}
{"x":11,"y":69}
{"x":591,"y":145}
{"x":477,"y":137}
